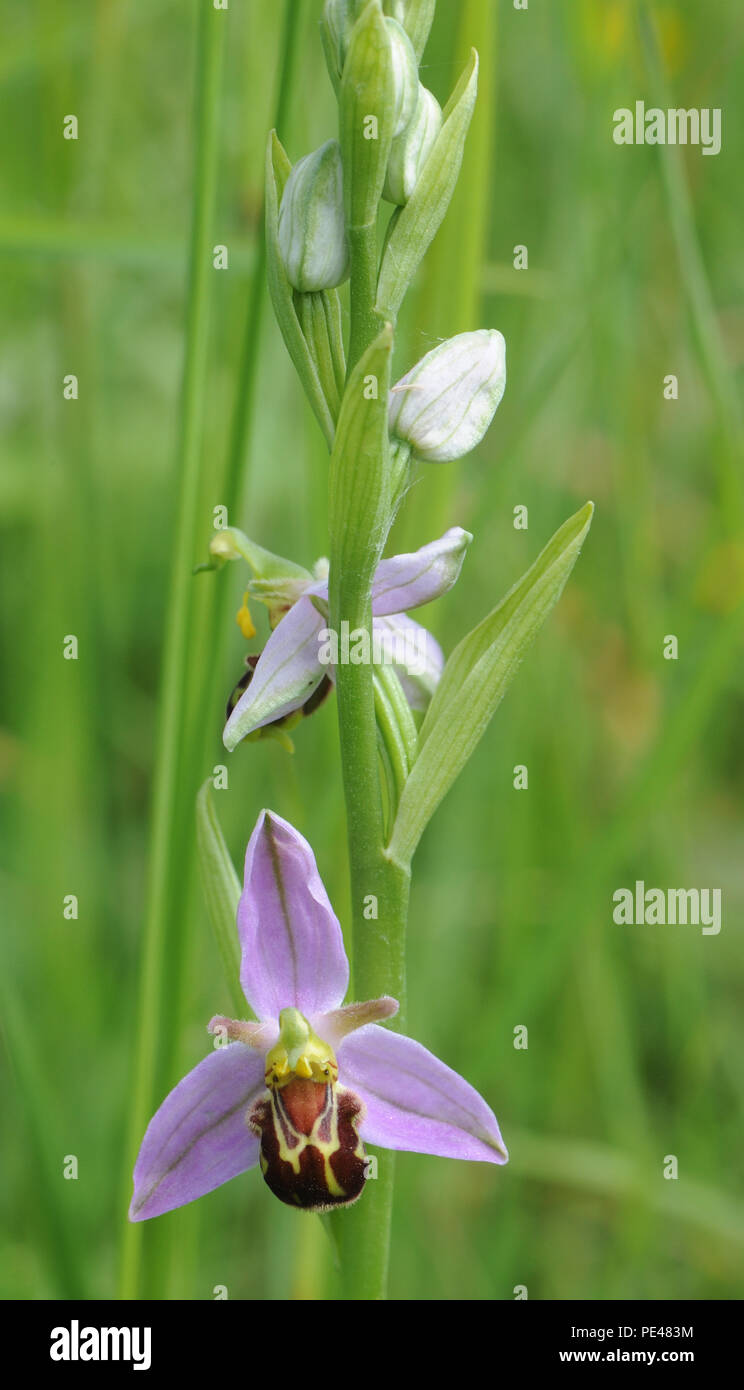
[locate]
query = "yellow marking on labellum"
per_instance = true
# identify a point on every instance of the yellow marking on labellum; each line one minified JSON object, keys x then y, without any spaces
{"x":311,"y":1154}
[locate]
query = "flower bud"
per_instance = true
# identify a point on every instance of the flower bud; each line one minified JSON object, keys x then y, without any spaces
{"x":339,"y":17}
{"x":416,"y":18}
{"x":444,"y":405}
{"x":405,"y":75}
{"x":411,"y":149}
{"x":312,"y":231}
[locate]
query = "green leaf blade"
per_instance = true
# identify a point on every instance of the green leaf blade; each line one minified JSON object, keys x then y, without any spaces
{"x":221,"y":891}
{"x":475,"y":680}
{"x":359,"y":501}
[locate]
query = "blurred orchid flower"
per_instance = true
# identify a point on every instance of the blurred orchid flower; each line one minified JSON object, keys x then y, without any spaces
{"x":302,"y":1089}
{"x":300,"y":653}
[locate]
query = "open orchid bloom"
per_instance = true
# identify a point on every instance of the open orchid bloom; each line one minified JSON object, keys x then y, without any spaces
{"x":301,"y":1090}
{"x":301,"y":650}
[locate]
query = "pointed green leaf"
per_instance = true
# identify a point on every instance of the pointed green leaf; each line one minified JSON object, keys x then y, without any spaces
{"x":221,"y":891}
{"x":416,"y":226}
{"x":475,"y":679}
{"x":282,"y":294}
{"x":359,"y":485}
{"x":367,"y":116}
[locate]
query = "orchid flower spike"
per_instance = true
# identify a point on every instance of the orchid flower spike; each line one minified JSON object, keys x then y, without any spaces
{"x":302,"y":650}
{"x":302,"y":1090}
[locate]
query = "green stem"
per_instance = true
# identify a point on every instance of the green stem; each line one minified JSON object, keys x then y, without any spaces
{"x":365,"y":322}
{"x":379,"y":891}
{"x":163,"y":946}
{"x":379,"y":887}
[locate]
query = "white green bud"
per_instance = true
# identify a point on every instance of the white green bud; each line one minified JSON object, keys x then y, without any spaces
{"x":444,"y":405}
{"x":405,"y":75}
{"x":311,"y":229}
{"x":339,"y":17}
{"x":411,"y":149}
{"x":416,"y":18}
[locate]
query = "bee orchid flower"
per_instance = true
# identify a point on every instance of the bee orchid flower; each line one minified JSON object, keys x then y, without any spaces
{"x":301,"y":1089}
{"x":298,"y":654}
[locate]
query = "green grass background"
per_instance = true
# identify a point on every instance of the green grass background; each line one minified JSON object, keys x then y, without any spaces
{"x":635,"y":763}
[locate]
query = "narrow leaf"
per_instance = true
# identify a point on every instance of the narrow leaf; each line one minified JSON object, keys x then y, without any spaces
{"x":419,"y":221}
{"x":282,"y":296}
{"x":366,"y":116}
{"x":359,"y":500}
{"x":221,"y":890}
{"x":475,"y":679}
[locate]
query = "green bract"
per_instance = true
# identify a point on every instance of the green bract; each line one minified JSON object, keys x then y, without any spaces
{"x":221,"y":887}
{"x":368,"y":118}
{"x":359,"y":484}
{"x":312,"y":234}
{"x":317,"y":372}
{"x":475,"y":679}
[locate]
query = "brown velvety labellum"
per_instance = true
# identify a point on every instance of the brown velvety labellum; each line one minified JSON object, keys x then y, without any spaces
{"x":311,"y":1154}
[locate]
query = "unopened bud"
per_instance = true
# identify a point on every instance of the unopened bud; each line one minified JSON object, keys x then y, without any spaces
{"x":312,"y":232}
{"x":444,"y":405}
{"x":339,"y":17}
{"x":411,"y":149}
{"x":405,"y":75}
{"x":416,"y":18}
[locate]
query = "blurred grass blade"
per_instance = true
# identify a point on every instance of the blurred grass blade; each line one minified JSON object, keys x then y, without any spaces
{"x":221,"y":890}
{"x":164,"y":941}
{"x":710,"y":343}
{"x":45,"y":1151}
{"x":475,"y":679}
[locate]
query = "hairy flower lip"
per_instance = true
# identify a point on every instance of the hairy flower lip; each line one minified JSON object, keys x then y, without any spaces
{"x":293,"y":957}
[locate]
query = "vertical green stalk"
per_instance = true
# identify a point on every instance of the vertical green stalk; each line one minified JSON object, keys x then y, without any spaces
{"x":705,"y":324}
{"x":364,"y":322}
{"x":171,"y":816}
{"x":247,"y":373}
{"x":379,"y":888}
